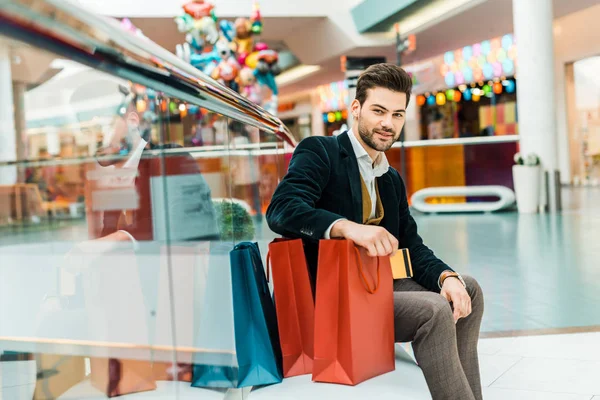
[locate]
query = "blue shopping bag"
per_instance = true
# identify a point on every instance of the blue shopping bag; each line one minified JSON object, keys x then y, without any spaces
{"x":257,"y":359}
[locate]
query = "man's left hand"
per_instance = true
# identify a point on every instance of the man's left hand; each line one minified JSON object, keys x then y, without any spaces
{"x":454,"y":291}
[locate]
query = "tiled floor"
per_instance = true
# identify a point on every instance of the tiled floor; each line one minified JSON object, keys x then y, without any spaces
{"x":537,"y":271}
{"x":542,"y":367}
{"x":550,"y":367}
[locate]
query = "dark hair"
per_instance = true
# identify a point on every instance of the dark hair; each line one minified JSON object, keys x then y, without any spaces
{"x":388,"y":76}
{"x":236,"y":127}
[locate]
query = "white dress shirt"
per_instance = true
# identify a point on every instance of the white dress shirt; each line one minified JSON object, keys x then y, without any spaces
{"x":127,"y":180}
{"x":369,"y":171}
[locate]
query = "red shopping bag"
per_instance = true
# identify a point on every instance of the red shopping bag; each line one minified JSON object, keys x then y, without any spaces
{"x":354,"y":315}
{"x":294,"y":304}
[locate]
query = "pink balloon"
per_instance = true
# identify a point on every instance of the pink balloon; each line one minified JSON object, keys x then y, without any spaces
{"x":260,"y":46}
{"x":460,"y":79}
{"x":497,"y":69}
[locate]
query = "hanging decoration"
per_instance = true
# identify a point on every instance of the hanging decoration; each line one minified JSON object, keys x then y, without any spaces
{"x":228,"y":52}
{"x":497,"y":88}
{"x":440,"y":99}
{"x":464,"y":93}
{"x":457,"y":96}
{"x":333,"y":96}
{"x":510,"y":86}
{"x":486,"y":60}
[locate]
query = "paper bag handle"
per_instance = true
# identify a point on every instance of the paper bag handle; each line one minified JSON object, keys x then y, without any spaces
{"x":268,"y":266}
{"x":362,"y":274}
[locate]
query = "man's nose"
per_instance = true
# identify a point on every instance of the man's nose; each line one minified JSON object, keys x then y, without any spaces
{"x":386,"y":122}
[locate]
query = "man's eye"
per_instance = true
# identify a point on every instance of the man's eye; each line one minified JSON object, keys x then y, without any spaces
{"x":398,"y":115}
{"x":378,"y":112}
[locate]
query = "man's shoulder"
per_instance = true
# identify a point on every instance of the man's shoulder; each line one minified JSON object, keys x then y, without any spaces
{"x":326,"y":141}
{"x":320,"y":144}
{"x":393,"y":173}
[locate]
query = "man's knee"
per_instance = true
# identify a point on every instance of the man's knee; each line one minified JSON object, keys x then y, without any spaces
{"x":438,"y":309}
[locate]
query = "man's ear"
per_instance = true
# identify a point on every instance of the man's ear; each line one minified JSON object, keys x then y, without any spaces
{"x":355,"y":108}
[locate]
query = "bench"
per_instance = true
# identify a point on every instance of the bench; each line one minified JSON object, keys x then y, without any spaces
{"x":506,"y":198}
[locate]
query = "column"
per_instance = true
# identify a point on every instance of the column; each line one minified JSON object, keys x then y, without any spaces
{"x":8,"y":143}
{"x":19,"y":89}
{"x":536,"y":90}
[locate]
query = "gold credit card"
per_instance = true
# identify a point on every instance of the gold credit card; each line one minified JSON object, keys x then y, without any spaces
{"x":401,"y":265}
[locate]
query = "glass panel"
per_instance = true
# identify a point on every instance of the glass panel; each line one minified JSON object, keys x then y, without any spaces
{"x":258,"y":162}
{"x":84,"y":299}
{"x":120,"y":208}
{"x":195,"y":186}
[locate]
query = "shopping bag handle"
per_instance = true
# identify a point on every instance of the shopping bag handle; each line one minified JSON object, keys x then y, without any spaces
{"x":362,"y":273}
{"x":268,"y":266}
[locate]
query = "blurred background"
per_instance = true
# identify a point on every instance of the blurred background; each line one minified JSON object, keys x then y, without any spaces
{"x":140,"y":142}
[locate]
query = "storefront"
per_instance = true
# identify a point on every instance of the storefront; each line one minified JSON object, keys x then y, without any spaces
{"x":297,"y":116}
{"x":583,"y":87}
{"x":468,"y":92}
{"x":333,"y":103}
{"x":577,"y":52}
{"x":462,"y":125}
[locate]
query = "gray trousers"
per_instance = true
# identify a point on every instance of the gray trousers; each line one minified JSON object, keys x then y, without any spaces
{"x":445,"y":351}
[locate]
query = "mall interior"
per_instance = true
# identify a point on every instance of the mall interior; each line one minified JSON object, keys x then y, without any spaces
{"x":141,"y":143}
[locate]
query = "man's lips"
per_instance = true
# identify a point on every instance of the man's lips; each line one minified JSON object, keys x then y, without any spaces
{"x":385,"y":134}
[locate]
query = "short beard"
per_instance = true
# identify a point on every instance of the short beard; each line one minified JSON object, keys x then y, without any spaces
{"x":367,"y":137}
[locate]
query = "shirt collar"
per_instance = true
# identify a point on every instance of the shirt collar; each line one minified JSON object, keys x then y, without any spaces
{"x":381,"y":165}
{"x":134,"y":159}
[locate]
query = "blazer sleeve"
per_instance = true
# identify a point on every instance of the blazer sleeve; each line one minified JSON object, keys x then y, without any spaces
{"x":292,"y":212}
{"x":427,"y":268}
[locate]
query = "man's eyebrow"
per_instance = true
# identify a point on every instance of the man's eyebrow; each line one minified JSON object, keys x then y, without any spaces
{"x":385,"y":109}
{"x":380,"y":106}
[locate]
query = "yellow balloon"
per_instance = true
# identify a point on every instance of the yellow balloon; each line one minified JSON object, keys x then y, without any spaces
{"x":252,"y":60}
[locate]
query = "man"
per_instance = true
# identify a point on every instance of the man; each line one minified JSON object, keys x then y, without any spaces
{"x":343,"y":187}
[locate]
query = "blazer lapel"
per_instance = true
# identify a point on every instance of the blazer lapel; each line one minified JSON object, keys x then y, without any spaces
{"x":350,"y":165}
{"x":390,"y":202}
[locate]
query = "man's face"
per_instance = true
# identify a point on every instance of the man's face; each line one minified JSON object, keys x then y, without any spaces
{"x":120,"y":132}
{"x":381,"y":117}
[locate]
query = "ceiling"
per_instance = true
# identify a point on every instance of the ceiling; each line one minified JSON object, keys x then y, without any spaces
{"x":164,"y":30}
{"x":485,"y":20}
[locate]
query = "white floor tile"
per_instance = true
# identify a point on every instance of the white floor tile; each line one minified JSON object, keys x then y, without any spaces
{"x":552,"y":375}
{"x":24,"y":392}
{"x":494,"y":345}
{"x":577,"y":346}
{"x":504,"y":394}
{"x":389,"y":386}
{"x":492,"y":367}
{"x":18,"y":373}
{"x":406,"y":382}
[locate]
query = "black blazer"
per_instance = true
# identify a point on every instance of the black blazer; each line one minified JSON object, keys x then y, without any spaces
{"x":323,"y":184}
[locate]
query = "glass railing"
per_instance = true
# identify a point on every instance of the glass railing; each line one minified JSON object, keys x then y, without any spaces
{"x":134,"y":177}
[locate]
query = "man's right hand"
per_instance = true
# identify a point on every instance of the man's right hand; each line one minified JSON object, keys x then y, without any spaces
{"x":375,"y":239}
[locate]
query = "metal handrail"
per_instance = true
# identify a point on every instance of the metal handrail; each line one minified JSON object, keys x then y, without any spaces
{"x":458,"y":141}
{"x":69,"y":30}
